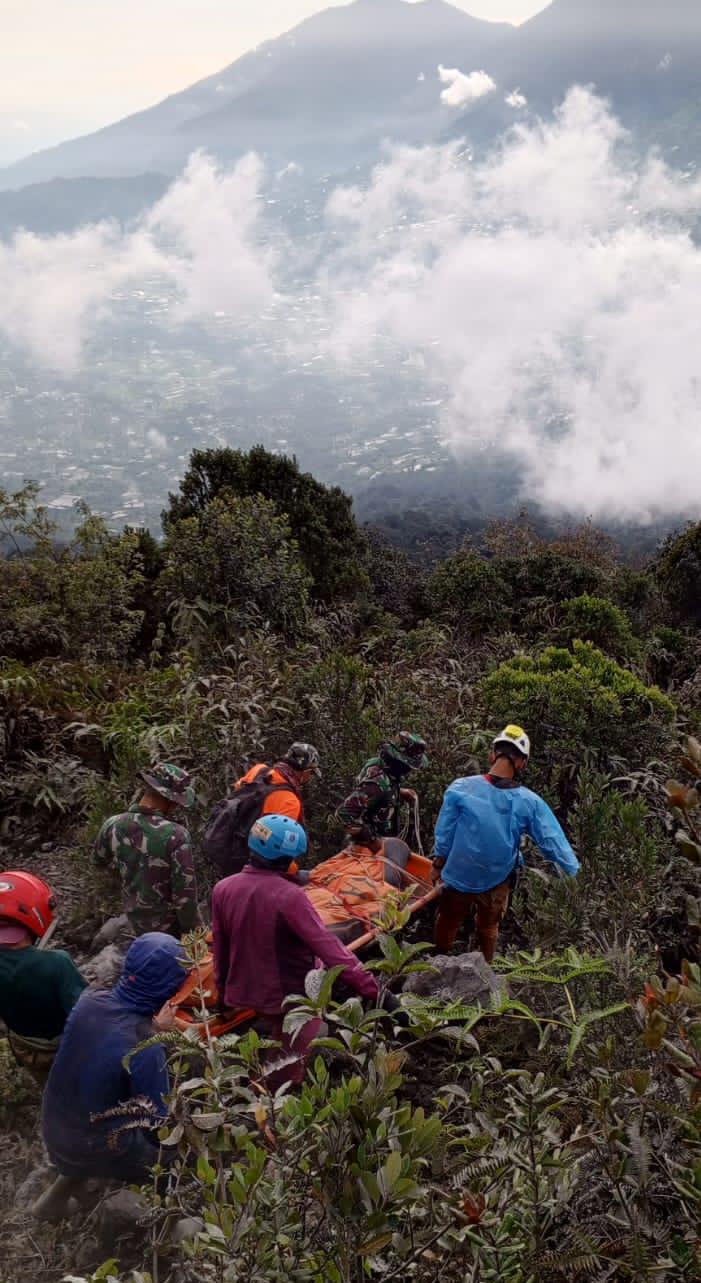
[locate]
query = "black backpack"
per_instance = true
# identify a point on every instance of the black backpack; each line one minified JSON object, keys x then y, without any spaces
{"x":225,"y":841}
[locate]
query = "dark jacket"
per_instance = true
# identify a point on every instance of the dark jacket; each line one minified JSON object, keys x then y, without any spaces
{"x":88,"y":1076}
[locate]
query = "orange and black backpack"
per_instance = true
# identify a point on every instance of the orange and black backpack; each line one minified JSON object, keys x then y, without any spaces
{"x":225,"y":841}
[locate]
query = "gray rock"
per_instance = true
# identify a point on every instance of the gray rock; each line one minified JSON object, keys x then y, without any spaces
{"x":118,"y":1217}
{"x":104,"y":971}
{"x":114,"y":931}
{"x":186,"y":1229}
{"x":466,"y":978}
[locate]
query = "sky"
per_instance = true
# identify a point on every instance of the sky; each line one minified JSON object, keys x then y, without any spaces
{"x":71,"y":66}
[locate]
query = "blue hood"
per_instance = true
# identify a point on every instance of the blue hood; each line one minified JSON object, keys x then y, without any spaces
{"x":154,"y":969}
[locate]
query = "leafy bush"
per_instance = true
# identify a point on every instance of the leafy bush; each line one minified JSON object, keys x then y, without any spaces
{"x":596,"y":620}
{"x":549,"y":575}
{"x":578,"y":703}
{"x":320,"y":518}
{"x":508,"y":1174}
{"x":471,"y":592}
{"x":678,"y":572}
{"x":234,"y":563}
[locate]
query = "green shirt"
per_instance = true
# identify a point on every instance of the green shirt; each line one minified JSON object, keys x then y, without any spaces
{"x":38,"y":990}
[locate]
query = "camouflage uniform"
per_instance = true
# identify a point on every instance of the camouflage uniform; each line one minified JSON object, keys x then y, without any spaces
{"x":372,"y":809}
{"x":154,"y":857}
{"x":374,"y":802}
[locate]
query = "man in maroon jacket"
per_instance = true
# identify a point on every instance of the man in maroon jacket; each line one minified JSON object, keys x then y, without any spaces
{"x":267,"y":936}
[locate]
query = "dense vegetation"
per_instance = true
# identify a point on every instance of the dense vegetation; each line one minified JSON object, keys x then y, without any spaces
{"x":555,"y":1137}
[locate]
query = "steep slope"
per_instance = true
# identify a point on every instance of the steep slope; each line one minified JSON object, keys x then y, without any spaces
{"x":345,"y":77}
{"x":644,"y":54}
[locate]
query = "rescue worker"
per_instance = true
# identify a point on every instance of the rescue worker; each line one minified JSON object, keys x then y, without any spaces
{"x":267,"y":937}
{"x":371,"y":812}
{"x":292,"y":773}
{"x":153,"y":854}
{"x":89,"y":1077}
{"x":264,"y":790}
{"x":478,"y":841}
{"x":38,"y":989}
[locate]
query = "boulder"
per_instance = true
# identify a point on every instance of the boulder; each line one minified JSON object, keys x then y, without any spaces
{"x":114,"y":931}
{"x":186,"y":1229}
{"x":119,"y":1216}
{"x":104,"y":970}
{"x":464,"y":978}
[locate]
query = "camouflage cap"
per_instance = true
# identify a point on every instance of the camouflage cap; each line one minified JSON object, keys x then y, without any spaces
{"x":303,"y":757}
{"x":171,"y":782}
{"x":407,"y":748}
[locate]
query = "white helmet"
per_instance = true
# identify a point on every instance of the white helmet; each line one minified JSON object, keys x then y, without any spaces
{"x":516,"y":737}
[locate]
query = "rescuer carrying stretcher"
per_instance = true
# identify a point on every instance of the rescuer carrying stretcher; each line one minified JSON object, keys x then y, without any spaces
{"x":478,"y":842}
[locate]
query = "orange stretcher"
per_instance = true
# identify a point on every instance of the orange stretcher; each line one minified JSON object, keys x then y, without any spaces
{"x":349,"y":892}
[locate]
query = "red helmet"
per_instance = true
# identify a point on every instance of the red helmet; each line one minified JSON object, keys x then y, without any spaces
{"x":27,"y":900}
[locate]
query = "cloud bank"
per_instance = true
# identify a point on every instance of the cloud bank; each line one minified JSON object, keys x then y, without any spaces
{"x":201,"y":239}
{"x":550,"y":291}
{"x":553,"y":290}
{"x":464,"y":90}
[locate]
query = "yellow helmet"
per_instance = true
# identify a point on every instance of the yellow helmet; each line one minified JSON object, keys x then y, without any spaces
{"x":516,"y":737}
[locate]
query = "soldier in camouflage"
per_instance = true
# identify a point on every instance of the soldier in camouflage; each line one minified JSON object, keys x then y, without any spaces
{"x":371,"y":812}
{"x":153,"y":855}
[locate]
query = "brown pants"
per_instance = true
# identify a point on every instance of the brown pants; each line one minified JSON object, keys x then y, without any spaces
{"x":489,"y":908}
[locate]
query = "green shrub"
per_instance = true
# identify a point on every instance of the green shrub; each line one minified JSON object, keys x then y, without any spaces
{"x":471,"y":592}
{"x":551,"y":575}
{"x":232,"y":564}
{"x":579,"y":702}
{"x":596,"y":620}
{"x":678,"y":573}
{"x":320,"y":518}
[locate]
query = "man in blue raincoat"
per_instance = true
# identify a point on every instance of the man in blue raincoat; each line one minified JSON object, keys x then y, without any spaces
{"x":88,"y":1077}
{"x":478,"y":843}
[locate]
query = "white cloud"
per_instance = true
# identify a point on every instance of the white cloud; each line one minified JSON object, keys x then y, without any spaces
{"x":290,"y":170}
{"x":516,"y":99}
{"x":463,"y":90}
{"x":552,"y":289}
{"x":54,"y":289}
{"x":201,"y":238}
{"x":549,"y":290}
{"x":665,"y":63}
{"x":207,"y":226}
{"x":158,"y":440}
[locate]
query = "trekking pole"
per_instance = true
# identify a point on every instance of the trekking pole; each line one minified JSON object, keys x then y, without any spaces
{"x":48,"y":935}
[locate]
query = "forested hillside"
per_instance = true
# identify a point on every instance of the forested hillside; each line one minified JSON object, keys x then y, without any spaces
{"x":552,"y":1138}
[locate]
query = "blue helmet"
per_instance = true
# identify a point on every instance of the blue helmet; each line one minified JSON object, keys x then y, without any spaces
{"x":275,"y":837}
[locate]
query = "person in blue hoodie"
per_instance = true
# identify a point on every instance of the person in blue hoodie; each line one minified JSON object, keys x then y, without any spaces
{"x":478,"y":843}
{"x":88,"y":1076}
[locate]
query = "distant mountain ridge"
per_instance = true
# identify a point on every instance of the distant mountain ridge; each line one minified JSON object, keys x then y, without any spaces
{"x":643,"y":54}
{"x":327,"y":93}
{"x":346,"y":77}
